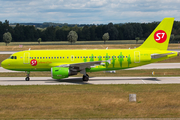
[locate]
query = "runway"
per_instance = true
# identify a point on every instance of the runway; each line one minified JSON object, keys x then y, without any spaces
{"x":92,"y":80}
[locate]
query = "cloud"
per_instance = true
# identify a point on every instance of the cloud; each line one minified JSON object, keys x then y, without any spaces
{"x":88,"y":11}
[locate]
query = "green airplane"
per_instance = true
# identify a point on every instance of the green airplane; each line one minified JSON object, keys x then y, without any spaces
{"x":64,"y":63}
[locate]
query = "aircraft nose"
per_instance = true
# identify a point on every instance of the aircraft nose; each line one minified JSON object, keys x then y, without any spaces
{"x":4,"y":64}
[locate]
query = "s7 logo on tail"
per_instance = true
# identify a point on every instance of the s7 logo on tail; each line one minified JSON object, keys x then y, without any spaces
{"x":160,"y":36}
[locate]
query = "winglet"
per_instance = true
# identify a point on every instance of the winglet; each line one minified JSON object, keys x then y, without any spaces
{"x":159,"y":38}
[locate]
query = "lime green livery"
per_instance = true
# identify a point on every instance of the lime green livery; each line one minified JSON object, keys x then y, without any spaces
{"x":64,"y":63}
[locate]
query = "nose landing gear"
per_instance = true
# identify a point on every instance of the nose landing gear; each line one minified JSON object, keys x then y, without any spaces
{"x":27,"y":78}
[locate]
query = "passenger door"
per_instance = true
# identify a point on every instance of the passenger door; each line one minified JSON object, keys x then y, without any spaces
{"x":26,"y":58}
{"x":137,"y":57}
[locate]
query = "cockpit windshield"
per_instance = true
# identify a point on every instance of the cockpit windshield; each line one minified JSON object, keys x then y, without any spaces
{"x":13,"y":57}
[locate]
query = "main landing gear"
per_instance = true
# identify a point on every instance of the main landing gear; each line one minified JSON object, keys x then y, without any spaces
{"x":27,"y":78}
{"x":85,"y":77}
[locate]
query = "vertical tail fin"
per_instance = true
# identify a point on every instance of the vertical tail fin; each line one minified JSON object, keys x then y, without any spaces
{"x":159,"y":38}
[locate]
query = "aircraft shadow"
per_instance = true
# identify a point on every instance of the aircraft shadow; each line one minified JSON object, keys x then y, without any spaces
{"x":150,"y":79}
{"x":79,"y":80}
{"x":69,"y":80}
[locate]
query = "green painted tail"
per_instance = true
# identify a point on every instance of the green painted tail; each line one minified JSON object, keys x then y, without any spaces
{"x":159,"y":38}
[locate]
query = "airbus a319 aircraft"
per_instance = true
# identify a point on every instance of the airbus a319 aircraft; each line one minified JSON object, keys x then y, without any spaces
{"x":64,"y":63}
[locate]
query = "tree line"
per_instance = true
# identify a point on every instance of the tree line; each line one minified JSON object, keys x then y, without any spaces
{"x":127,"y":31}
{"x":48,"y":24}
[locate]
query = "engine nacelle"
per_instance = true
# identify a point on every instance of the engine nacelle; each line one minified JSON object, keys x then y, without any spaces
{"x":61,"y":72}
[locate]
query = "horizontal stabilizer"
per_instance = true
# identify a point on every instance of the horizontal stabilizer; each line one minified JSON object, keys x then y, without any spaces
{"x":156,"y":56}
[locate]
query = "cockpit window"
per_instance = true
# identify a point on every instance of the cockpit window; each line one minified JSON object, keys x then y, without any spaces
{"x":13,"y":57}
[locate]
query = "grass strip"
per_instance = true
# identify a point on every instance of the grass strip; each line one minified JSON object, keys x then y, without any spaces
{"x":77,"y":42}
{"x":95,"y":46}
{"x":89,"y":101}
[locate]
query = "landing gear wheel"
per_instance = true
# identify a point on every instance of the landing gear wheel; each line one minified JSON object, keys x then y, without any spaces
{"x":85,"y":78}
{"x":27,"y":79}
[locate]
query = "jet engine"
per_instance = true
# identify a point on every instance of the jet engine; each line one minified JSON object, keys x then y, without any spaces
{"x":61,"y":72}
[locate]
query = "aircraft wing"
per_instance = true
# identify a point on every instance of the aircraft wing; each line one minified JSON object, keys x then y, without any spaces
{"x":82,"y":66}
{"x":156,"y":56}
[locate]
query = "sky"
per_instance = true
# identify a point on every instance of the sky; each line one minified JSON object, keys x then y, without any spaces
{"x":88,"y":11}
